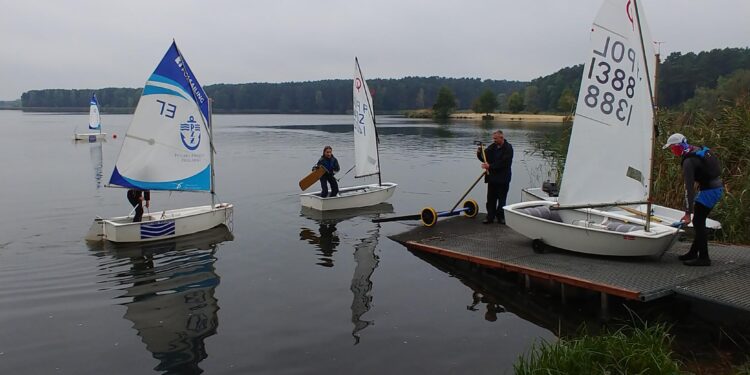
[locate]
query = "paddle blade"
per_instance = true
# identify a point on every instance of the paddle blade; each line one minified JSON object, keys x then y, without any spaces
{"x":311,"y":178}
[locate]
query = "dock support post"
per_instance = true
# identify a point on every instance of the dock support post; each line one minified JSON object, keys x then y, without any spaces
{"x":604,"y":306}
{"x":562,"y":293}
{"x":527,"y":281}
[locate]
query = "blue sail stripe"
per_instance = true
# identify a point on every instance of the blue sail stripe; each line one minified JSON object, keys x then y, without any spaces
{"x":159,"y":78}
{"x":154,"y":90}
{"x":200,"y":181}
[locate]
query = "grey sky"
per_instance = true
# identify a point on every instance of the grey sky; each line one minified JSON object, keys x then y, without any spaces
{"x":96,"y":44}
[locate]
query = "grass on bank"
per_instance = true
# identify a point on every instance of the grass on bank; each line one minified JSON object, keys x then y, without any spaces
{"x":629,"y":350}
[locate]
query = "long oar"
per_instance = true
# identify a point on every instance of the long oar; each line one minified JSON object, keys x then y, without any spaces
{"x":469,"y":190}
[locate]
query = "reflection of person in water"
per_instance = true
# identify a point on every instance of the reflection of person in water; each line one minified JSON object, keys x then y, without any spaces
{"x":493,"y":308}
{"x":326,"y":241}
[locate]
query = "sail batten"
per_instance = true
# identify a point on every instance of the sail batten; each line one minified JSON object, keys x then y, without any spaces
{"x":609,"y":156}
{"x":167,"y":145}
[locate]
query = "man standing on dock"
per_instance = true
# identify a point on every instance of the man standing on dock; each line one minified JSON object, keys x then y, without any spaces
{"x":499,"y":157}
{"x":699,"y":164}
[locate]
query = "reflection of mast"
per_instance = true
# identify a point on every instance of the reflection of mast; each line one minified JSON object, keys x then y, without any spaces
{"x":367,"y":261}
{"x":95,"y":150}
{"x":170,"y":286}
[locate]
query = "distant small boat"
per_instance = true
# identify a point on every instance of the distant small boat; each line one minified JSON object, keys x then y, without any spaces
{"x":366,"y":158}
{"x":168,"y":147}
{"x":95,"y":123}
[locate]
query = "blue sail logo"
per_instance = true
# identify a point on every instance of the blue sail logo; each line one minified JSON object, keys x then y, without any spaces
{"x":190,"y":132}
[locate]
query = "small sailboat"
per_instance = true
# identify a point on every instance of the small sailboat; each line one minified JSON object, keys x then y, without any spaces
{"x":168,"y":147}
{"x":95,"y":123}
{"x":366,"y":158}
{"x":609,"y":157}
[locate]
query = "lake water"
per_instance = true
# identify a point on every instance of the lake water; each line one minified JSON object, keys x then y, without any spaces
{"x":289,"y":292}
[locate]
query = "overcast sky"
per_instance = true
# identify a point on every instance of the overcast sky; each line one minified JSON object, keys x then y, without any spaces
{"x":96,"y":44}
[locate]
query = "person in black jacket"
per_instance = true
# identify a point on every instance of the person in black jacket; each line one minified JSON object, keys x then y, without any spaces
{"x":136,"y":198}
{"x":498,"y":165}
{"x":701,"y":165}
{"x":331,"y":164}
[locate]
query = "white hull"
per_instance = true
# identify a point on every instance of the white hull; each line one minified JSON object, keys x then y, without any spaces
{"x":665,"y":214}
{"x":588,"y":230}
{"x":90,"y":137}
{"x":350,"y":197}
{"x":161,"y":225}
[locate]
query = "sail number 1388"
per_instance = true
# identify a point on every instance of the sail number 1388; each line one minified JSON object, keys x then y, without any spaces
{"x":611,"y":80}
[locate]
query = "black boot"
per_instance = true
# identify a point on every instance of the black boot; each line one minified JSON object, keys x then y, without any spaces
{"x":690,"y":255}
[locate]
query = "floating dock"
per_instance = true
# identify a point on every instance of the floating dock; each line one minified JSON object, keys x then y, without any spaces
{"x":725,"y":282}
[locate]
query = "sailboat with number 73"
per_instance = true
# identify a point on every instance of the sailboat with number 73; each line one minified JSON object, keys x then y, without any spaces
{"x":610,"y":152}
{"x":168,"y":147}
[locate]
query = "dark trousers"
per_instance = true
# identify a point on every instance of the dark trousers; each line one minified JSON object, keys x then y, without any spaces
{"x":700,"y":243}
{"x":324,"y":181}
{"x":497,"y":194}
{"x":136,"y":202}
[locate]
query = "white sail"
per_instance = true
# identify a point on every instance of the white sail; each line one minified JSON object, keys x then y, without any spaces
{"x":365,"y":135}
{"x":95,"y":122}
{"x":609,"y":157}
{"x":167,"y":146}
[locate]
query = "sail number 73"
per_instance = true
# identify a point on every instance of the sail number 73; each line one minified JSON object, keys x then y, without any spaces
{"x":611,"y":80}
{"x":167,"y":109}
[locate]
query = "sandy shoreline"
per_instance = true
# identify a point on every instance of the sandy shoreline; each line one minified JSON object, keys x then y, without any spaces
{"x":525,"y":117}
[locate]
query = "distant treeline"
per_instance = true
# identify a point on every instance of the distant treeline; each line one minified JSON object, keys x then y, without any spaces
{"x":679,"y":77}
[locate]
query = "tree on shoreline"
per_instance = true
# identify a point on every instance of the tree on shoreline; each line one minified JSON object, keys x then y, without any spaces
{"x":445,"y":104}
{"x":486,"y":103}
{"x":515,"y":102}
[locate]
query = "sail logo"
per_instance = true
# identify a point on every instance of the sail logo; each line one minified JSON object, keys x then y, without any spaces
{"x":190,"y":133}
{"x":196,"y":92}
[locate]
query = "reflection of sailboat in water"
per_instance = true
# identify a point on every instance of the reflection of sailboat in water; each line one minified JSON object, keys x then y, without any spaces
{"x":326,"y":239}
{"x":169,"y":287}
{"x":95,"y":149}
{"x":364,"y":254}
{"x":366,"y":261}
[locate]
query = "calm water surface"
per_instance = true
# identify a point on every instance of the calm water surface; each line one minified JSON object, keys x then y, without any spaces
{"x":289,"y":292}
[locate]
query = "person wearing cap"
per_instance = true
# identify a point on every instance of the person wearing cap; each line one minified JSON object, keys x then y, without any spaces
{"x":701,"y":165}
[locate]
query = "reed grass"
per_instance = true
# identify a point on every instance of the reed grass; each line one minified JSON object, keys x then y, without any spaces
{"x":644,"y":349}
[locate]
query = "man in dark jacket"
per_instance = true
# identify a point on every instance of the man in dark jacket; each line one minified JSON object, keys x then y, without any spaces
{"x":701,"y":165}
{"x":136,"y":198}
{"x":498,"y":165}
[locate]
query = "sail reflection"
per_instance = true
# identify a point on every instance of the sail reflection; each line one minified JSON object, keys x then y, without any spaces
{"x":169,"y":292}
{"x":95,"y":149}
{"x":364,"y":255}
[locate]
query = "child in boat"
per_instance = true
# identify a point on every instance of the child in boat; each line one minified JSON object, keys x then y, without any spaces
{"x":331,"y":164}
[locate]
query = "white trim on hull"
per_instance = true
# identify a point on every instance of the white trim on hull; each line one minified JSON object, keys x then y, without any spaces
{"x":589,"y":231}
{"x":90,"y":137}
{"x":665,"y":214}
{"x":350,"y":197}
{"x":161,"y":225}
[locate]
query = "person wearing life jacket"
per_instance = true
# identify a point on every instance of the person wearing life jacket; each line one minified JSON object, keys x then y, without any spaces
{"x":701,"y":165}
{"x":331,"y":165}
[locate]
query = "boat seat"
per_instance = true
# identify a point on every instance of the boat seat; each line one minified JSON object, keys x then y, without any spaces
{"x":542,"y":212}
{"x":622,"y":227}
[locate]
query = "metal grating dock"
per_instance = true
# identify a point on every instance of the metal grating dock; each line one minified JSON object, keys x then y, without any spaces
{"x":644,"y":279}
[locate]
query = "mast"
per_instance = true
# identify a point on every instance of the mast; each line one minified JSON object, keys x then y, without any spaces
{"x":374,"y":123}
{"x":653,"y":120}
{"x":211,"y":150}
